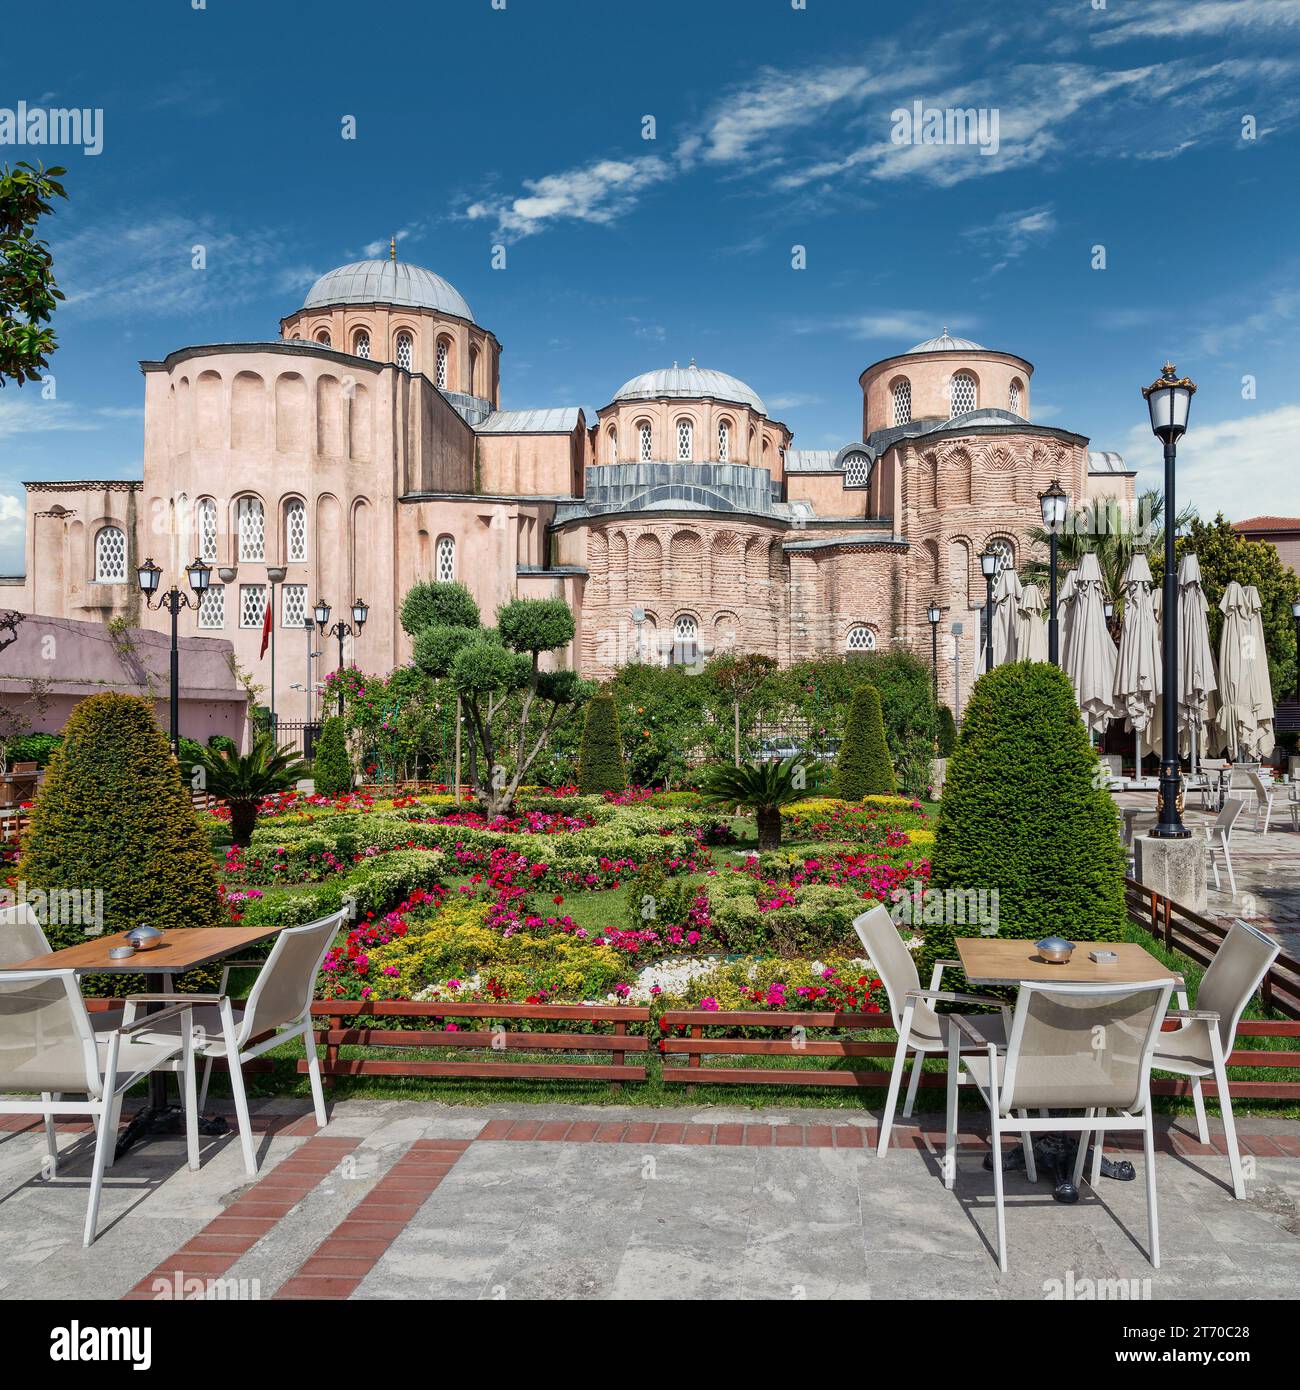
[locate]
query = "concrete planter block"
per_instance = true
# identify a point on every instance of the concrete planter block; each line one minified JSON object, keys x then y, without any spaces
{"x":1173,"y":868}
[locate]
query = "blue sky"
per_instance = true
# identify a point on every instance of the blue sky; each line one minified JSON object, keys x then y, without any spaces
{"x":1119,"y":127}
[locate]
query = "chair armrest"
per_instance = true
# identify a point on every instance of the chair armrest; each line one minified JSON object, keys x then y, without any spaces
{"x":969,"y":1025}
{"x":948,"y":996}
{"x":150,"y":1021}
{"x":174,"y":998}
{"x":244,"y":964}
{"x":1207,"y":1014}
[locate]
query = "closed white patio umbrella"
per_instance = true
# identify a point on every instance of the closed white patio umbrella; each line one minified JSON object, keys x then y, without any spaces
{"x":1197,"y":681}
{"x":1137,"y":668}
{"x":1091,"y":663}
{"x":1031,"y":629}
{"x":1006,"y":616}
{"x":1064,"y":615}
{"x":1236,"y":717}
{"x":1261,"y":744}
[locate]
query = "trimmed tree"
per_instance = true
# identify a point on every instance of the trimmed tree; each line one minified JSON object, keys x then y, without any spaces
{"x":864,"y":767}
{"x":113,"y":816}
{"x":1025,"y":816}
{"x":332,"y":769}
{"x":437,"y":603}
{"x":600,"y":759}
{"x":947,"y":732}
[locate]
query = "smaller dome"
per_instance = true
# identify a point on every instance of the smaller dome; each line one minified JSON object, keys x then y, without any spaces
{"x":387,"y":282}
{"x":689,"y":382}
{"x":945,"y":342}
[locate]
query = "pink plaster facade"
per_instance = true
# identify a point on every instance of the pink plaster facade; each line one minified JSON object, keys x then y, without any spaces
{"x":682,"y":515}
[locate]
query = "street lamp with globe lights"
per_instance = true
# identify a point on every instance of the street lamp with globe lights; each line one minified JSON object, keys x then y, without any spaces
{"x":360,"y":612}
{"x":989,"y":561}
{"x":1169,"y":399}
{"x":934,"y":613}
{"x":149,"y":577}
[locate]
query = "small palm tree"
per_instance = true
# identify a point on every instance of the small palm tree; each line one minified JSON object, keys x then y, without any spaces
{"x":765,"y":787}
{"x":243,"y":780}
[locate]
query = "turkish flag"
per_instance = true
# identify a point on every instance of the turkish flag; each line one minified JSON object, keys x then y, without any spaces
{"x":266,"y":630}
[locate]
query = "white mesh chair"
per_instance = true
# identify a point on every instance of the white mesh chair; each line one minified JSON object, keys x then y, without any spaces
{"x":1263,"y":801}
{"x":920,"y":1029}
{"x":1203,"y":1043}
{"x":279,"y":1004}
{"x":1218,"y":836}
{"x":48,"y":1047}
{"x":1072,"y":1047}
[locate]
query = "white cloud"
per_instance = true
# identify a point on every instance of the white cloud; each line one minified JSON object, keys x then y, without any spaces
{"x":13,"y":533}
{"x":897,"y":325}
{"x":599,"y":192}
{"x":1196,"y":18}
{"x":1011,"y":234}
{"x":793,"y":401}
{"x":1214,"y":460}
{"x":28,"y":414}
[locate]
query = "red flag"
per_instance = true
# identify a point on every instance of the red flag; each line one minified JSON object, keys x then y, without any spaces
{"x":266,"y":631}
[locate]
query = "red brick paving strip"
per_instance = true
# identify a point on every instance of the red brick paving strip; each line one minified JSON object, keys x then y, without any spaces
{"x":248,"y":1219}
{"x":359,"y":1241}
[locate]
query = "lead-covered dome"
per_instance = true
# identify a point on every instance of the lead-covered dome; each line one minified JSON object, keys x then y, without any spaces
{"x":683,"y":382}
{"x":945,"y":342}
{"x":387,"y":282}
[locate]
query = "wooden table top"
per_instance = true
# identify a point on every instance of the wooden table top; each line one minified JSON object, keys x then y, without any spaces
{"x":997,"y":960}
{"x":181,"y":948}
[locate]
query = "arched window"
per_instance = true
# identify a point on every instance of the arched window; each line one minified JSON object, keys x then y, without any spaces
{"x":646,"y":441}
{"x":686,"y":638}
{"x":110,"y":555}
{"x":962,"y":395}
{"x":857,"y":468}
{"x":323,"y":337}
{"x":252,"y":529}
{"x":860,"y":639}
{"x":1006,"y":553}
{"x":445,"y":560}
{"x":361,"y":343}
{"x":1013,"y":396}
{"x":724,"y":441}
{"x":212,"y":607}
{"x":612,"y":444}
{"x":208,"y":530}
{"x":404,"y":351}
{"x":295,"y":530}
{"x":685,"y":440}
{"x":902,"y":401}
{"x":440,"y":371}
{"x":473,"y":371}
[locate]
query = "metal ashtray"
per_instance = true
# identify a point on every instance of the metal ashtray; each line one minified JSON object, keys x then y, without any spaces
{"x":121,"y":952}
{"x":1056,"y":950}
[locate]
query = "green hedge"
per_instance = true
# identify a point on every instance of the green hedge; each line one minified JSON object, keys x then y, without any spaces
{"x":1025,"y":814}
{"x":332,"y":770}
{"x":864,"y":767}
{"x":600,"y":759}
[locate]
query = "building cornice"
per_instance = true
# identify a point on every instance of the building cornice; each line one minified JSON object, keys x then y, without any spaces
{"x":88,"y":485}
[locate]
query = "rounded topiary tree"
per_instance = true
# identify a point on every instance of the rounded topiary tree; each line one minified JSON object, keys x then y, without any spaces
{"x":1024,"y":816}
{"x":438,"y":603}
{"x":864,"y":767}
{"x":600,"y":758}
{"x":947,"y":732}
{"x":332,"y":768}
{"x":113,"y":817}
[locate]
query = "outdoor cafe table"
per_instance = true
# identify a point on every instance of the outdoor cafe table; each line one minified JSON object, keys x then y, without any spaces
{"x":995,"y":960}
{"x":181,"y":949}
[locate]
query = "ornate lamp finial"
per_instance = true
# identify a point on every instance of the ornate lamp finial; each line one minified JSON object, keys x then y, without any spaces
{"x":392,"y":247}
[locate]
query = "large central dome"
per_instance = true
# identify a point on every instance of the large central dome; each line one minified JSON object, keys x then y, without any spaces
{"x":692,"y":381}
{"x":387,"y":282}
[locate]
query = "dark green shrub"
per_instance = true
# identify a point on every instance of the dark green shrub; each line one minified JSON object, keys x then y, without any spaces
{"x":332,"y":770}
{"x":438,"y":605}
{"x":600,"y":758}
{"x":33,"y":748}
{"x":1024,"y":813}
{"x":864,"y":767}
{"x":947,"y":732}
{"x":113,"y":815}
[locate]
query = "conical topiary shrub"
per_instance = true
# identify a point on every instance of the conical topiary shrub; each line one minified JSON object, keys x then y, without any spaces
{"x":332,"y":766}
{"x":113,"y":815}
{"x":1024,"y":815}
{"x":864,"y":767}
{"x":600,"y":759}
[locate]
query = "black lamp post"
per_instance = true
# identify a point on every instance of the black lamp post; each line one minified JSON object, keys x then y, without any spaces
{"x":989,"y":560}
{"x":1169,"y":398}
{"x":1054,"y":503}
{"x":173,"y":600}
{"x":360,"y":612}
{"x":934,"y":614}
{"x":1295,"y":613}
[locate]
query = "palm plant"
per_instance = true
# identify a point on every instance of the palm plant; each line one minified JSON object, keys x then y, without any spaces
{"x":243,"y":780}
{"x":763,"y":787}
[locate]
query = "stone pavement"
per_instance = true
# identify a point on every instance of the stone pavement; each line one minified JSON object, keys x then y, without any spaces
{"x":407,"y":1199}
